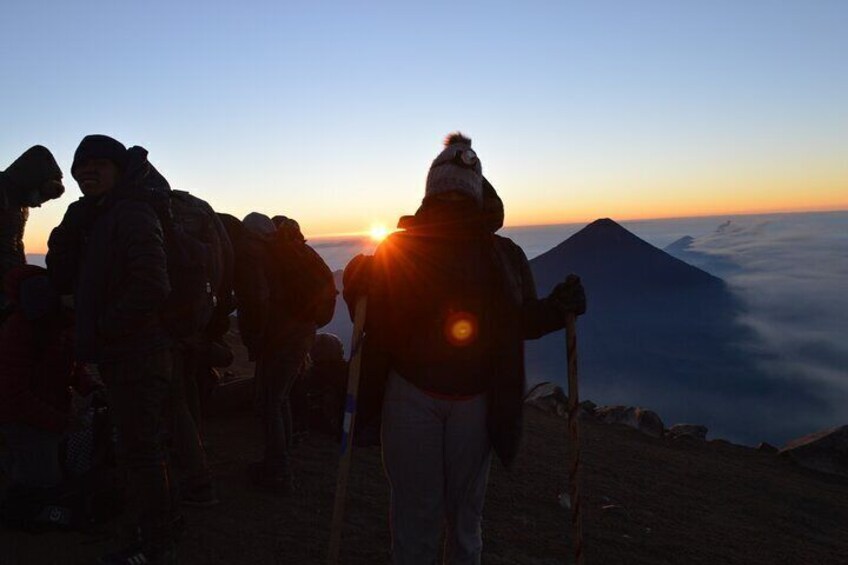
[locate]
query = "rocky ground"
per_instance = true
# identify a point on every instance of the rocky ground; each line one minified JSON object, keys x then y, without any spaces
{"x":648,"y":500}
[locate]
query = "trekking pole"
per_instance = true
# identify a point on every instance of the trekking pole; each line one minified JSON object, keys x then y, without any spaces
{"x":347,"y":430}
{"x":574,"y":437}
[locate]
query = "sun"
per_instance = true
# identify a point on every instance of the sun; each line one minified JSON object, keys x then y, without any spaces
{"x":378,"y":232}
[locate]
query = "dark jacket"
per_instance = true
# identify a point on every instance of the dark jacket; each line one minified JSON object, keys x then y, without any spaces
{"x":513,"y":314}
{"x":36,"y":353}
{"x":110,"y":254}
{"x":20,"y":188}
{"x":13,"y":221}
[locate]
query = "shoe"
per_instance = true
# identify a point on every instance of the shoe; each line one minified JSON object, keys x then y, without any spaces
{"x":202,"y":495}
{"x":278,"y":481}
{"x":137,"y":555}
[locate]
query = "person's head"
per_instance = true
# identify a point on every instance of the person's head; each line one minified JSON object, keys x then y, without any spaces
{"x":456,"y":174}
{"x":99,"y":162}
{"x":257,"y":223}
{"x":33,"y":179}
{"x":288,"y":227}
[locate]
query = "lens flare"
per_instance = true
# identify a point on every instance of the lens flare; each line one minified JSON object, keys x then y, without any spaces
{"x":461,"y":329}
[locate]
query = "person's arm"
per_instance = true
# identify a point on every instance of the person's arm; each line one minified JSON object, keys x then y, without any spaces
{"x":541,"y":316}
{"x":145,"y":285}
{"x":64,"y":246}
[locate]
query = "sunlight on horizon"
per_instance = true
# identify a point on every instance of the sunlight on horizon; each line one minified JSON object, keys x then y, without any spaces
{"x":378,"y":232}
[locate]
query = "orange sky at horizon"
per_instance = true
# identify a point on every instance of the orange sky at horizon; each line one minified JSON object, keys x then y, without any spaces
{"x":37,"y":231}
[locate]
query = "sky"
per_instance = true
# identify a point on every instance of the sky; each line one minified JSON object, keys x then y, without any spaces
{"x":332,"y":112}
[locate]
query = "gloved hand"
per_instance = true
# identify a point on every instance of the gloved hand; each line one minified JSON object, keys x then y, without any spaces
{"x":570,"y":296}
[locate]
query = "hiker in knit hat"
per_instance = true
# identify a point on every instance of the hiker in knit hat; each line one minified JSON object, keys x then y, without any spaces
{"x":99,"y":161}
{"x":109,"y":252}
{"x":33,"y":179}
{"x":450,"y":304}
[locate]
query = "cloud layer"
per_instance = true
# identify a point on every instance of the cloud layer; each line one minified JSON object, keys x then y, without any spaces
{"x":791,"y":272}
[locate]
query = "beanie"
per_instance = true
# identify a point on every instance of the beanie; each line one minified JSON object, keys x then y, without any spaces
{"x":456,"y":169}
{"x":100,"y":147}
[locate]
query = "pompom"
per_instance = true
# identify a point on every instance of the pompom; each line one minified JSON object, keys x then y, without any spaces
{"x":457,"y":138}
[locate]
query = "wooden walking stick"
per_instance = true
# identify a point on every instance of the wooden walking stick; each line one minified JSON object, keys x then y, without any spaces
{"x":574,"y":437}
{"x":347,"y":430}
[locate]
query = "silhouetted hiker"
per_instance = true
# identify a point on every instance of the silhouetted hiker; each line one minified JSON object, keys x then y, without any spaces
{"x":284,"y":299}
{"x":36,"y":355}
{"x":110,"y":253}
{"x":450,"y":304}
{"x":33,"y":179}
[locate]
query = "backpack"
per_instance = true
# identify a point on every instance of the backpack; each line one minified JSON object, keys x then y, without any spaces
{"x":304,"y":283}
{"x":194,"y":267}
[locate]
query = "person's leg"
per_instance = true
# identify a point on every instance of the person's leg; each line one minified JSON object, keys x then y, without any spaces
{"x":270,"y":392}
{"x":468,"y":455}
{"x":34,"y":470}
{"x":195,"y":483}
{"x":412,"y":436}
{"x":33,"y":456}
{"x":292,"y":368}
{"x":138,"y":390}
{"x":190,"y":386}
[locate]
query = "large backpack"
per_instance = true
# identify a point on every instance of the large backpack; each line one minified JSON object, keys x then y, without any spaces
{"x":194,"y":265}
{"x":304,"y":283}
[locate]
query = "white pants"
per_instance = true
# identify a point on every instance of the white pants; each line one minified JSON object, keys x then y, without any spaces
{"x":436,"y":455}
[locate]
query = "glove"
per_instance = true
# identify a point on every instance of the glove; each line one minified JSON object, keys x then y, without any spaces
{"x":570,"y":296}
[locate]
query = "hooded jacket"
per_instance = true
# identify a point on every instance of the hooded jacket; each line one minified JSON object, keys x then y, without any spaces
{"x":512,"y":310}
{"x":20,"y":188}
{"x":109,"y":252}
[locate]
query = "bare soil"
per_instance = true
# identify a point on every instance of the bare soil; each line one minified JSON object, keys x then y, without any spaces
{"x":646,"y":501}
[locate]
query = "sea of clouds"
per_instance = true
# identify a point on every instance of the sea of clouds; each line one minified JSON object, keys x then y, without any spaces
{"x":791,"y":272}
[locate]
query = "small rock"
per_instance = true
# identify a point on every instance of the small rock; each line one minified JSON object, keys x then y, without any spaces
{"x":548,"y":397}
{"x":646,"y":421}
{"x":588,"y":406}
{"x":766,"y":447}
{"x":565,"y":500}
{"x":687,"y":430}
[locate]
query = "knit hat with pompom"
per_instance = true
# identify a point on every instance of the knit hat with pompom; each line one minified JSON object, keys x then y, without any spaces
{"x":456,"y":169}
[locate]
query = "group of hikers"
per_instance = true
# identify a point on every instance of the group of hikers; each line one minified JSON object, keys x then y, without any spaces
{"x":133,"y":307}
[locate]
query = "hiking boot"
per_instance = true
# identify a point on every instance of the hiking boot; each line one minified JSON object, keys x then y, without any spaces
{"x":138,"y":555}
{"x":202,"y":495}
{"x":278,"y":481}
